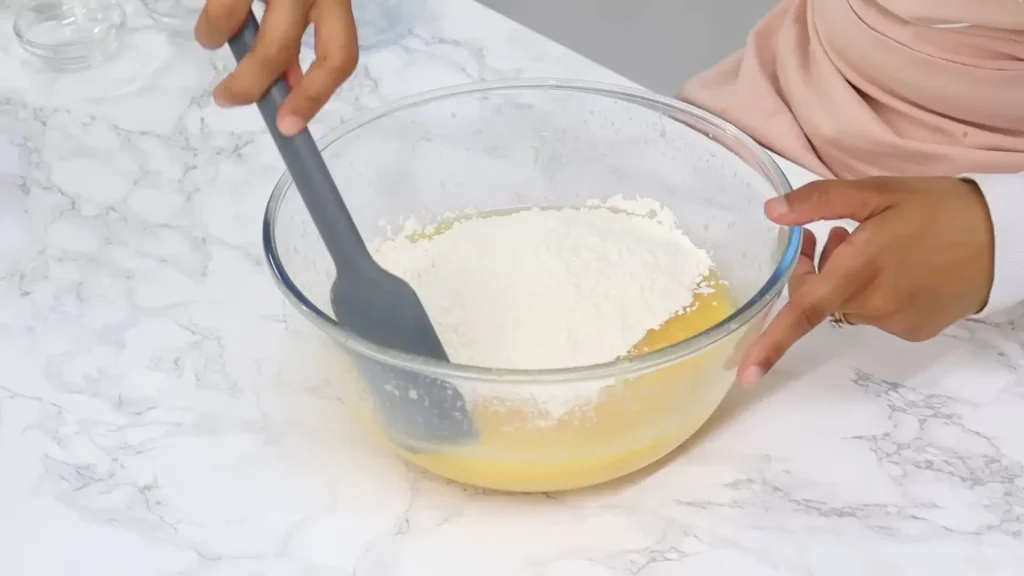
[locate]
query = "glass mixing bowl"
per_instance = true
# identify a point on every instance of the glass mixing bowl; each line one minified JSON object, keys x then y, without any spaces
{"x":549,"y":143}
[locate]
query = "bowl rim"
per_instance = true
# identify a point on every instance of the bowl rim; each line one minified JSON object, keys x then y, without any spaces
{"x":761,"y":299}
{"x":22,"y":29}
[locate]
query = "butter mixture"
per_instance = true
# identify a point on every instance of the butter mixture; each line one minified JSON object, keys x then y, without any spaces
{"x":558,"y":288}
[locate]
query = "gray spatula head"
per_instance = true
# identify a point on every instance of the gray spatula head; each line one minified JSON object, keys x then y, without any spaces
{"x":420,"y":412}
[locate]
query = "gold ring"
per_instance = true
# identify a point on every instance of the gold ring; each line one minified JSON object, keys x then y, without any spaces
{"x":839,"y":320}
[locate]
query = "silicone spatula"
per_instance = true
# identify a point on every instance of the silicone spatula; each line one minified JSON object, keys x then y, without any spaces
{"x":421,"y":413}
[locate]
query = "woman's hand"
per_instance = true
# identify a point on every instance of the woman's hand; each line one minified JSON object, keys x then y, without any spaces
{"x":921,"y":259}
{"x":276,"y":53}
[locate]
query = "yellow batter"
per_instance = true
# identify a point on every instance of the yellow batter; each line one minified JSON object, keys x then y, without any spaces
{"x":630,"y":425}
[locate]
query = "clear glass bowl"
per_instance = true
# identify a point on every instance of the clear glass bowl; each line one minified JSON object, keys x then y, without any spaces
{"x":178,"y":16}
{"x":508,"y":144}
{"x":70,"y":34}
{"x":379,"y":23}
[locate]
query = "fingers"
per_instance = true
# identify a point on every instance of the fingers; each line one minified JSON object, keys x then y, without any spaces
{"x":337,"y":53}
{"x":812,"y":298}
{"x":830,"y":200}
{"x":276,"y":48}
{"x":275,"y":54}
{"x":804,"y":269}
{"x":836,"y":237}
{"x":750,"y":369}
{"x":219,"y":20}
{"x":293,"y":74}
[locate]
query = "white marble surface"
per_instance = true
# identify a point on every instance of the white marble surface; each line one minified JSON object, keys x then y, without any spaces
{"x":161,"y":412}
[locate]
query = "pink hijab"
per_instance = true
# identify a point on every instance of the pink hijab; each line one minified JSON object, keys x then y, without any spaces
{"x":852,"y":88}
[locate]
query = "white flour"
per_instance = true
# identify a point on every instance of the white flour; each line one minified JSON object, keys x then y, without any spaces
{"x":551,"y":288}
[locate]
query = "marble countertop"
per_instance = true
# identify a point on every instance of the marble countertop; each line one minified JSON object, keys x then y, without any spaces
{"x":161,"y":412}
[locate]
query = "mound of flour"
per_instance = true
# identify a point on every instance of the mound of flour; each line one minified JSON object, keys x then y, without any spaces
{"x":545,"y":288}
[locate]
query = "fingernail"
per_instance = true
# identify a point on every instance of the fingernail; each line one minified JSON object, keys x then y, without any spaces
{"x":751,"y":376}
{"x":290,"y":125}
{"x":776,"y":207}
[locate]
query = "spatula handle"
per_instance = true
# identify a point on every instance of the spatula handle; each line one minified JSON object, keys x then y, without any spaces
{"x":306,"y":165}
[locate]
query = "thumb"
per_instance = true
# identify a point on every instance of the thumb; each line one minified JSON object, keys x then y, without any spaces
{"x":831,"y":200}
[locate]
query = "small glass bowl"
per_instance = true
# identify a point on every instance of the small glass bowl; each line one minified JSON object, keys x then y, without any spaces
{"x":175,"y":15}
{"x":70,"y":34}
{"x":379,"y":23}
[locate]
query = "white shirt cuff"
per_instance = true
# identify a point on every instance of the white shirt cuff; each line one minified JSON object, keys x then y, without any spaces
{"x":1004,"y":194}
